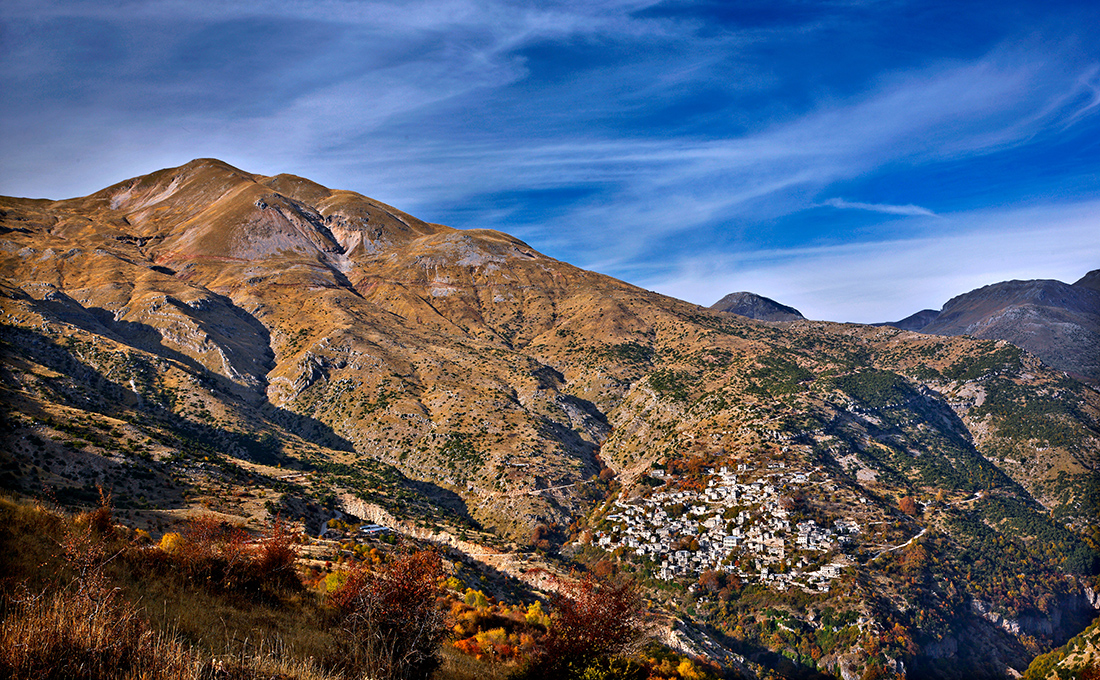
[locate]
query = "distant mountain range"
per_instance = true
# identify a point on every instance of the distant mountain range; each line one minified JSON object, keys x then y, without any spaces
{"x":1056,"y":321}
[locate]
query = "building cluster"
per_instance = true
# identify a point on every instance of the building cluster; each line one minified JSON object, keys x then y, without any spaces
{"x":736,"y":524}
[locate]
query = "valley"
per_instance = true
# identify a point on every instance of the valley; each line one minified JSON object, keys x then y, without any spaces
{"x":810,"y":497}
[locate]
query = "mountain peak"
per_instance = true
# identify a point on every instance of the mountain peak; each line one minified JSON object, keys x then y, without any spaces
{"x":914,"y":322}
{"x":756,"y":307}
{"x":1057,"y":321}
{"x":1090,"y":280}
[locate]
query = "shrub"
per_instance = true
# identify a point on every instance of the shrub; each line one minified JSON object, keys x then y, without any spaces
{"x":275,"y":556}
{"x":391,"y":623}
{"x":592,"y":622}
{"x":213,"y":552}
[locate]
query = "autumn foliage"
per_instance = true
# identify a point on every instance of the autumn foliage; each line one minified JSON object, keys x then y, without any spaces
{"x":591,"y":621}
{"x":224,"y":556}
{"x":393,"y":628}
{"x":909,"y":506}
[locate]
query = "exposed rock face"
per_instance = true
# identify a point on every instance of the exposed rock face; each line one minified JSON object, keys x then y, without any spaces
{"x":756,"y":307}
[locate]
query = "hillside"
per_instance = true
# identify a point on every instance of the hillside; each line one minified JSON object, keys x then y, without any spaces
{"x":1058,"y":322}
{"x":202,"y":337}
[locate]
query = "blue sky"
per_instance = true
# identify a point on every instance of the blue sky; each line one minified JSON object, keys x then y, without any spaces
{"x":857,"y":160}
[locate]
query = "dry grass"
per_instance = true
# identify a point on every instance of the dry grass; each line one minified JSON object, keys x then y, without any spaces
{"x":96,"y":612}
{"x":29,"y":536}
{"x":74,"y":635}
{"x":105,"y":610}
{"x":458,"y":666}
{"x":64,"y":636}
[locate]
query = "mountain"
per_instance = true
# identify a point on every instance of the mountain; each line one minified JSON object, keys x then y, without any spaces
{"x":1058,"y":322}
{"x":806,"y":495}
{"x":914,"y":322}
{"x":756,"y":307}
{"x":1090,"y":280}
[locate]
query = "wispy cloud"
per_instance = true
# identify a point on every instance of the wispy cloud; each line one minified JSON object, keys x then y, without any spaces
{"x":618,"y":135}
{"x":887,"y":280}
{"x":654,"y":189}
{"x":886,"y":208}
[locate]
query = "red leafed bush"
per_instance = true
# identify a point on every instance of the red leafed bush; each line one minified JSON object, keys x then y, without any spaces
{"x":593,"y":619}
{"x":591,"y":622}
{"x":276,"y":554}
{"x":224,"y":556}
{"x":391,"y":623}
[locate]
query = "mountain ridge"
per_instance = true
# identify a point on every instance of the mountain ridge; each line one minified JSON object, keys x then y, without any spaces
{"x":1057,"y":321}
{"x":196,"y":336}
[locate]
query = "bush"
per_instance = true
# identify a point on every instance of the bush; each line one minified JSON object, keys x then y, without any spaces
{"x":592,"y":622}
{"x":391,"y":623}
{"x":215,"y":553}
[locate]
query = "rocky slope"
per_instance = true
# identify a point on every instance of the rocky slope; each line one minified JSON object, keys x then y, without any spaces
{"x":202,"y":336}
{"x":1056,"y":321}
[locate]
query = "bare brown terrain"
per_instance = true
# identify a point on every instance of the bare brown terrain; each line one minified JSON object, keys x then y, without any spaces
{"x":202,"y":337}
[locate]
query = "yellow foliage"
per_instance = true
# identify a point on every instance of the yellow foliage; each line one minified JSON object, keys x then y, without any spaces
{"x":334,"y":580}
{"x":535,"y":615}
{"x":476,"y":598}
{"x":687,"y":670}
{"x":171,"y":542}
{"x":495,"y":636}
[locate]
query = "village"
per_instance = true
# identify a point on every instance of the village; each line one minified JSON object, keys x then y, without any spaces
{"x":739,"y":523}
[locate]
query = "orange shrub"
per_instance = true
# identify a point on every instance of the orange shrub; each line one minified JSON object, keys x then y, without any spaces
{"x":213,"y":552}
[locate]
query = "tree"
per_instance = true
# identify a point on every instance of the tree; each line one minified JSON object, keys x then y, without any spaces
{"x":390,"y":618}
{"x":476,"y":599}
{"x":909,"y":506}
{"x":711,"y":580}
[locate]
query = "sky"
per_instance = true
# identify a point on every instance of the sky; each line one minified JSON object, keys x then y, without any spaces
{"x":858,"y":160}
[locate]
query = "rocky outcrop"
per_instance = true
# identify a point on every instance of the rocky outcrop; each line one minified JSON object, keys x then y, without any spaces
{"x":1052,"y":625}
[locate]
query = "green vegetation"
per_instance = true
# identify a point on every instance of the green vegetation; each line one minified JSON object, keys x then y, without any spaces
{"x":777,"y":375}
{"x":1021,"y":414}
{"x":1008,"y":359}
{"x":630,"y":353}
{"x":1047,"y":539}
{"x":670,"y":384}
{"x":459,"y":452}
{"x":875,"y":389}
